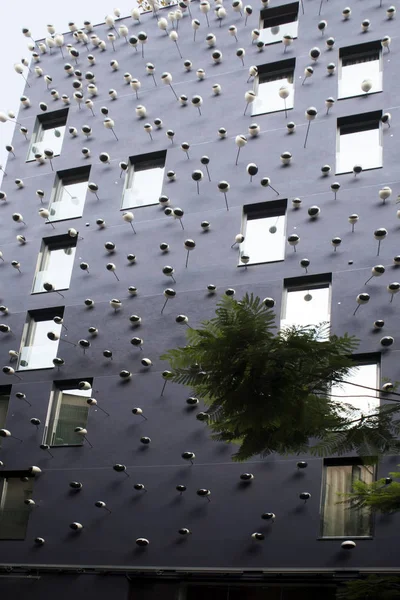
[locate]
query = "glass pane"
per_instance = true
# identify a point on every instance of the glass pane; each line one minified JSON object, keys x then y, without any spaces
{"x":47,"y":138}
{"x":69,"y":201}
{"x":360,"y":148}
{"x":353,"y":75}
{"x":271,"y":35}
{"x":69,"y":410}
{"x":268,"y":99}
{"x":39,"y":351}
{"x":145,"y":187}
{"x":363,"y":401}
{"x":3,"y":410}
{"x":14,"y":514}
{"x":262,"y":245}
{"x":306,"y":307}
{"x":59,"y":263}
{"x":339,"y":519}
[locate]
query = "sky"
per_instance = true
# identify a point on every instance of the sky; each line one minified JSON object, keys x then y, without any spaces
{"x":14,"y":45}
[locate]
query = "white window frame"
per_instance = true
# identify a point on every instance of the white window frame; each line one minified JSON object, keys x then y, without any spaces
{"x":362,"y":126}
{"x":56,"y":397}
{"x":44,"y":123}
{"x":141,"y":160}
{"x":343,"y":463}
{"x":313,"y":284}
{"x":267,"y":210}
{"x":276,"y":14}
{"x":44,"y":256}
{"x":28,"y":335}
{"x":346,"y":54}
{"x":272,"y":72}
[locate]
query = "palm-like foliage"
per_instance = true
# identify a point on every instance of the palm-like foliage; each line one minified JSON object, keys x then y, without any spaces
{"x":270,"y":392}
{"x":373,"y":587}
{"x":380,"y":496}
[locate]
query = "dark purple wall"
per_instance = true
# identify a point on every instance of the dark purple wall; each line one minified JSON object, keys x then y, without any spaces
{"x":222,"y":528}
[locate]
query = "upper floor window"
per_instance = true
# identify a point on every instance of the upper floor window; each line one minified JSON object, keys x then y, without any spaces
{"x":264,"y":228}
{"x":144,"y":180}
{"x":339,"y":520}
{"x":5,"y":391}
{"x":359,"y":142}
{"x":37,"y":350}
{"x":278,"y":21}
{"x":14,"y":513}
{"x":360,"y":400}
{"x":48,"y":133}
{"x":55,"y":262}
{"x":307,"y":301}
{"x":68,"y":409}
{"x":268,"y":83}
{"x":69,"y":194}
{"x":357,"y":65}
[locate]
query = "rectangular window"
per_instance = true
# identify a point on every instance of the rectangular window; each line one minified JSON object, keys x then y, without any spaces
{"x":37,"y":350}
{"x":360,"y":401}
{"x":279,"y":21}
{"x":68,"y":409}
{"x":264,"y":227}
{"x":271,"y":78}
{"x":339,"y":520}
{"x":69,"y":194}
{"x":14,"y":513}
{"x":48,"y":133}
{"x":144,"y":180}
{"x":307,"y":301}
{"x":356,"y":64}
{"x":55,"y":262}
{"x":5,"y":391}
{"x":359,"y":142}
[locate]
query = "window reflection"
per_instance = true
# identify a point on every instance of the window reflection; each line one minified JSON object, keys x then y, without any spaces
{"x":144,"y":181}
{"x":267,"y":90}
{"x":307,"y":306}
{"x":362,"y":401}
{"x":48,"y":133}
{"x":359,"y":148}
{"x":55,"y":267}
{"x":355,"y":68}
{"x":272,"y":35}
{"x":68,"y":201}
{"x":264,"y":239}
{"x":69,"y":409}
{"x":37,"y":351}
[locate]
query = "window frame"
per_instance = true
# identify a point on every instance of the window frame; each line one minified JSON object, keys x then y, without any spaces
{"x":338,"y":462}
{"x":141,"y":160}
{"x":63,"y":179}
{"x":263,"y":210}
{"x":48,"y":245}
{"x":51,"y":120}
{"x":352,"y":52}
{"x":275,"y":14}
{"x":273,"y":70}
{"x":306,"y":283}
{"x":358,"y":124}
{"x":4,"y":484}
{"x":56,"y":394}
{"x":46,"y":314}
{"x":361,"y":360}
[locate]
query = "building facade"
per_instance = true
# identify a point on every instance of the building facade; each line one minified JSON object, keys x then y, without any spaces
{"x":86,"y":314}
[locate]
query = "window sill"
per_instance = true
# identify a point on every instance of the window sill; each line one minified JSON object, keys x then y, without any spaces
{"x":52,"y":292}
{"x":35,"y":369}
{"x":138,"y":206}
{"x":66,"y":446}
{"x":345,"y":537}
{"x":361,"y":94}
{"x":265,"y":262}
{"x":363,"y":171}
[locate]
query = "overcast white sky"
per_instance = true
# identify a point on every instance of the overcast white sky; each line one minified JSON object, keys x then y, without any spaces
{"x":17,"y":14}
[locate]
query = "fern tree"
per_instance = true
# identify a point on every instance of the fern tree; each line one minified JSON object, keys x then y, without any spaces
{"x":269,"y":391}
{"x":373,"y":587}
{"x":380,"y":496}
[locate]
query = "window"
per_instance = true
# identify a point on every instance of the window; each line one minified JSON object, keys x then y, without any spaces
{"x":307,"y":301}
{"x":48,"y":133}
{"x":264,"y":227}
{"x":144,"y":180}
{"x":270,"y":79}
{"x":37,"y":351}
{"x":68,"y":409}
{"x":69,"y":193}
{"x":55,"y":262}
{"x":279,"y":21}
{"x":357,"y":63}
{"x":338,"y":520}
{"x":5,"y":391}
{"x":359,"y":142}
{"x":364,"y":373}
{"x":14,"y":513}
